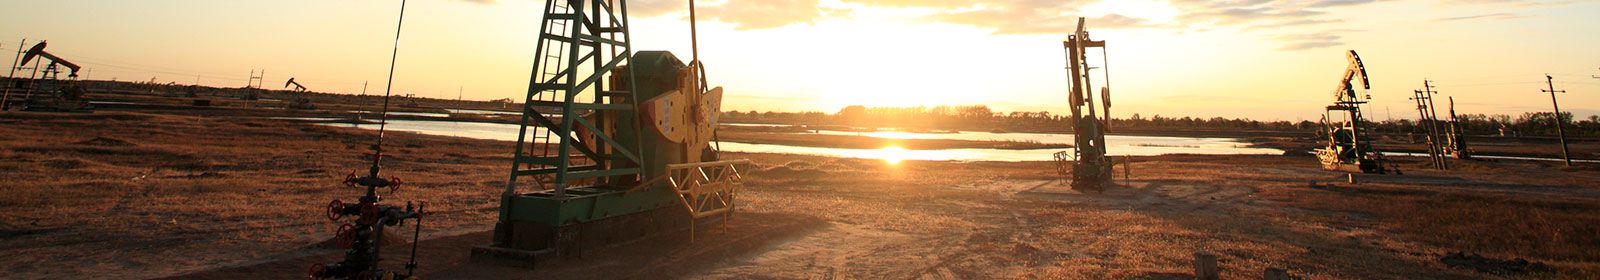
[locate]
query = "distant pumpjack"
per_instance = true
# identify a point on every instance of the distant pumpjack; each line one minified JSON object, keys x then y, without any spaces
{"x":1090,"y":168}
{"x":1349,"y":145}
{"x":297,"y":86}
{"x":1458,"y":139}
{"x":47,"y":92}
{"x":51,"y":70}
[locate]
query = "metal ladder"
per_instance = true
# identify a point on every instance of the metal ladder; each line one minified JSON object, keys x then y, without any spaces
{"x":572,"y":60}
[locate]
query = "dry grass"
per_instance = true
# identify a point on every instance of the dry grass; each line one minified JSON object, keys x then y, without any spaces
{"x":142,"y":195}
{"x":180,"y":193}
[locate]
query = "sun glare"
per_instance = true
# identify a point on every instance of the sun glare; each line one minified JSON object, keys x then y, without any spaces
{"x":893,"y":155}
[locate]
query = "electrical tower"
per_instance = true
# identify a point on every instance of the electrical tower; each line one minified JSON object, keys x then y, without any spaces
{"x":255,"y":80}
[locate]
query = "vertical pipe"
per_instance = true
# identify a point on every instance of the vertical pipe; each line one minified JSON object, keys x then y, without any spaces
{"x":694,"y":36}
{"x":384,"y":117}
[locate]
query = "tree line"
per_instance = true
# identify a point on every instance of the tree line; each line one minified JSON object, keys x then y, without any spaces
{"x":982,"y":118}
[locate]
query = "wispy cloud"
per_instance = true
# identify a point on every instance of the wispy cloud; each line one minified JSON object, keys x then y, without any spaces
{"x":1060,"y":16}
{"x":764,"y":13}
{"x":1297,"y":42}
{"x":1482,"y":16}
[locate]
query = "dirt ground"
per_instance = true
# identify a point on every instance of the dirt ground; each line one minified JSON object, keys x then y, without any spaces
{"x":132,"y":195}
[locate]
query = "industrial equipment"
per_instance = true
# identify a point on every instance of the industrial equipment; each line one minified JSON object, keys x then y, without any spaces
{"x":618,"y":142}
{"x":1458,"y":141}
{"x":1091,"y":169}
{"x":47,"y":92}
{"x":1349,"y":147}
{"x":297,"y":86}
{"x":363,"y":237}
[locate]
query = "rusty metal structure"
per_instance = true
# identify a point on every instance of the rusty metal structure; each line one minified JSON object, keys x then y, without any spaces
{"x":1090,"y":167}
{"x":1428,"y":119}
{"x":1457,"y":140}
{"x":363,"y":237}
{"x":297,"y":86}
{"x":44,"y":89}
{"x":1349,"y":143}
{"x":619,"y":143}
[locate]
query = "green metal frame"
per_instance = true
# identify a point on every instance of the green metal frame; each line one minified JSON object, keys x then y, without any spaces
{"x":580,"y":43}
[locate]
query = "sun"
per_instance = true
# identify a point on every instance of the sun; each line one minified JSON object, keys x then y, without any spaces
{"x":893,"y":155}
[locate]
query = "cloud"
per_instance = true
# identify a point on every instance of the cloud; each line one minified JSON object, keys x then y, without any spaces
{"x":762,"y":14}
{"x":1034,"y":22}
{"x":1482,"y":16}
{"x":1057,"y":16}
{"x":1297,"y":42}
{"x":650,"y":8}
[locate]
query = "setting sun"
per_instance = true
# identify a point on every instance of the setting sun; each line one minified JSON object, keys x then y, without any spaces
{"x":893,"y":155}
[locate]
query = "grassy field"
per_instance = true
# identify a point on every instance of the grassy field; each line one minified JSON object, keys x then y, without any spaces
{"x":136,"y":195}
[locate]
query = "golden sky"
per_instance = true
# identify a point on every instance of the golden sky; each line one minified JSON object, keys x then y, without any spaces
{"x":1271,"y":60}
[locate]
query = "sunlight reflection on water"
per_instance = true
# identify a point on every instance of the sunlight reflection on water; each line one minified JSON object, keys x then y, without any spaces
{"x":1120,"y":144}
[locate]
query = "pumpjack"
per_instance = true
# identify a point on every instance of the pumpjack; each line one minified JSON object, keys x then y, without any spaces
{"x":297,"y":86}
{"x":48,"y":92}
{"x":1090,"y":168}
{"x":1457,"y":141}
{"x":1349,"y":144}
{"x":618,"y":142}
{"x":301,"y":102}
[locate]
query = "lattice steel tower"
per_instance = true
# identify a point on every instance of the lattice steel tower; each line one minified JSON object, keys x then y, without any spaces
{"x":566,"y":133}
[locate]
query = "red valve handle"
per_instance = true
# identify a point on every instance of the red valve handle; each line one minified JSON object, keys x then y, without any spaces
{"x":350,"y":180}
{"x":335,"y":210}
{"x":346,"y":236}
{"x":316,"y":271}
{"x":394,"y":183}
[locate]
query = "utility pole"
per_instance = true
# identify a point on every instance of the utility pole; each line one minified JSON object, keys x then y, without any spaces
{"x":1433,"y":117}
{"x":1422,"y":117}
{"x":5,"y":100}
{"x":363,"y":88}
{"x":1560,"y":132}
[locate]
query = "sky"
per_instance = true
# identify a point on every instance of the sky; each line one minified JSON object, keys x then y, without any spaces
{"x":1266,"y":60}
